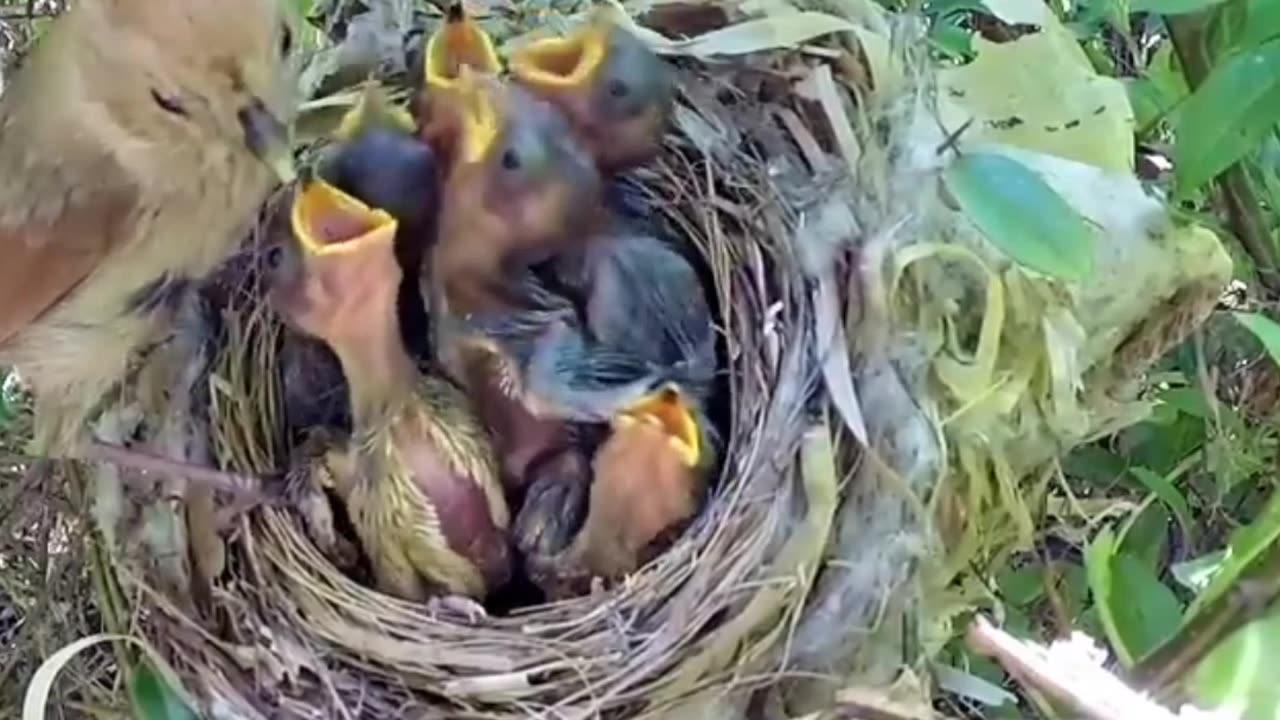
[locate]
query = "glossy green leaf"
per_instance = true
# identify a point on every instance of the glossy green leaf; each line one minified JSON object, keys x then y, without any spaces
{"x":1160,"y":486}
{"x":1021,"y":215}
{"x":1227,"y":116}
{"x":1171,"y":7}
{"x":153,"y":699}
{"x":1247,"y":545}
{"x":1265,"y":329}
{"x":1240,"y":671}
{"x":1138,"y":612}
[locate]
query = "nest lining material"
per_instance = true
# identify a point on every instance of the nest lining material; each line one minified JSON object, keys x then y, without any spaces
{"x":312,"y":642}
{"x":802,"y":574}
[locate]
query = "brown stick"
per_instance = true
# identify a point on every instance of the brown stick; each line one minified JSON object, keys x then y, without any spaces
{"x":241,"y":485}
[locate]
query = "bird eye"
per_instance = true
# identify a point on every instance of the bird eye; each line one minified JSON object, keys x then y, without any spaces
{"x":618,"y":88}
{"x":510,"y":160}
{"x":275,"y":257}
{"x":286,"y":39}
{"x":168,"y":103}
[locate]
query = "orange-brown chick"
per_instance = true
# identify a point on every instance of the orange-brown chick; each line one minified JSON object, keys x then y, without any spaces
{"x":424,"y":496}
{"x":616,"y":92}
{"x":649,"y":476}
{"x":132,"y":161}
{"x":520,"y":190}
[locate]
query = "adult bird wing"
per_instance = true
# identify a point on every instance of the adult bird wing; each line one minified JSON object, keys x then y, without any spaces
{"x":46,"y":254}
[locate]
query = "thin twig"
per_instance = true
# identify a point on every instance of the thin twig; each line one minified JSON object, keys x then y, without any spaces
{"x":146,"y":463}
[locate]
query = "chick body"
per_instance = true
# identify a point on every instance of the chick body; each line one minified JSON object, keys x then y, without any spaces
{"x":133,"y":139}
{"x":423,"y":489}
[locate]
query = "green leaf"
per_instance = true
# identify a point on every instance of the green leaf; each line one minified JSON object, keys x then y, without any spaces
{"x":1097,"y":565}
{"x":951,"y":39}
{"x":1265,"y":329}
{"x":1160,"y":486}
{"x":1137,"y":611}
{"x":153,"y":699}
{"x":1021,"y":215}
{"x":1146,"y":534}
{"x":1188,"y":400}
{"x":1262,"y":23}
{"x":1240,"y":671}
{"x":1021,"y":587}
{"x":1247,"y":544}
{"x":1196,"y":573}
{"x":1171,"y":7}
{"x":1227,"y":116}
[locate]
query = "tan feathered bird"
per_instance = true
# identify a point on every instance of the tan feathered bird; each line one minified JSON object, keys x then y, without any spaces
{"x":132,"y":148}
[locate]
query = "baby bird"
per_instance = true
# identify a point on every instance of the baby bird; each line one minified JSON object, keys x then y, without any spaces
{"x":519,"y":191}
{"x":422,"y":488}
{"x":617,"y":92}
{"x":458,"y":42}
{"x":643,"y":360}
{"x":644,"y":320}
{"x":139,"y":139}
{"x":379,"y":160}
{"x":648,"y":477}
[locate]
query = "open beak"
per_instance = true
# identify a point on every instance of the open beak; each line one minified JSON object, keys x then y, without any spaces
{"x":459,"y":43}
{"x":481,"y":124}
{"x":667,"y":408}
{"x":564,"y":63}
{"x":268,"y":139}
{"x":327,"y":221}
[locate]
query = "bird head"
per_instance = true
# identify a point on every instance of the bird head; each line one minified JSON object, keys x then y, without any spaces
{"x":520,"y":182}
{"x":339,"y":270}
{"x":214,"y":72}
{"x":667,"y":409}
{"x":616,"y":91}
{"x":458,"y":42}
{"x":378,"y":158}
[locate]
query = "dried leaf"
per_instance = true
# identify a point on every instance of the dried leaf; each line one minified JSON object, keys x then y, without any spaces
{"x":768,"y":33}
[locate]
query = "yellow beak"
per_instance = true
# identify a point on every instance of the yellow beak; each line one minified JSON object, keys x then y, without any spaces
{"x":563,"y":63}
{"x":459,"y":43}
{"x":327,"y":221}
{"x":668,"y":408}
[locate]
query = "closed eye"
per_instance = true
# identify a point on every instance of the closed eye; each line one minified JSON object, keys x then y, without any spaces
{"x":169,"y":104}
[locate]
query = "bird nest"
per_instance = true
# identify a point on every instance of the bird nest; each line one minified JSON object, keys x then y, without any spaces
{"x":798,"y":179}
{"x":260,"y":623}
